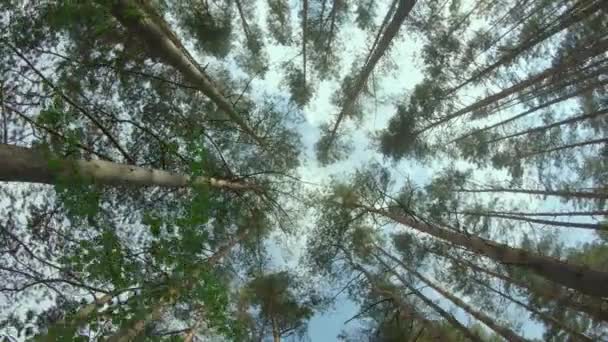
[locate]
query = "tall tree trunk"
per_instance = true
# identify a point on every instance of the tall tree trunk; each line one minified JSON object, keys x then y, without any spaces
{"x":534,"y":109}
{"x":594,"y":226}
{"x":572,"y":16}
{"x":408,"y":309}
{"x":577,"y":277}
{"x":505,"y":332}
{"x":276,"y":336}
{"x":562,"y":147}
{"x":546,"y":127}
{"x":403,"y":10}
{"x":239,"y":7}
{"x":142,"y":20}
{"x":21,"y":164}
{"x":443,"y":313}
{"x":304,"y":29}
{"x":385,"y":21}
{"x":552,"y":213}
{"x":576,"y":335}
{"x":557,"y":72}
{"x":593,"y":308}
{"x":558,"y":193}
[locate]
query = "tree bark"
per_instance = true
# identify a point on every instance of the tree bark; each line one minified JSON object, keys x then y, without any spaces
{"x":21,"y":164}
{"x":594,"y":226}
{"x":161,"y":41}
{"x":577,"y":277}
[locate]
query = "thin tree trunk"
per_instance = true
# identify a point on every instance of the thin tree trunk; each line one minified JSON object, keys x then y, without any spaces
{"x":577,"y":277}
{"x":408,"y":309}
{"x":532,"y":110}
{"x":554,"y":213}
{"x":385,"y":21}
{"x":563,"y":147}
{"x":576,"y":335}
{"x":505,"y":332}
{"x":554,"y":293}
{"x":163,"y":42}
{"x":558,"y":193}
{"x":403,"y":10}
{"x":239,"y":7}
{"x":443,"y":313}
{"x":304,"y":28}
{"x":552,"y":72}
{"x":564,"y":23}
{"x":594,"y":226}
{"x":21,"y":164}
{"x":546,"y":127}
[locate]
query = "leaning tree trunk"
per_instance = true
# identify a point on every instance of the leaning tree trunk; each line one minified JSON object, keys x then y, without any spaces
{"x":21,"y":164}
{"x":593,"y":308}
{"x":595,"y":226}
{"x":576,"y":335}
{"x":549,"y":126}
{"x":505,"y":332}
{"x":435,"y":333}
{"x":446,"y":315}
{"x":142,"y":20}
{"x":401,"y":13}
{"x":600,"y":141}
{"x":558,"y":193}
{"x":577,"y":277}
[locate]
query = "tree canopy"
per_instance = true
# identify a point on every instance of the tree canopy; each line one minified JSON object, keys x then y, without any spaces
{"x":231,"y":170}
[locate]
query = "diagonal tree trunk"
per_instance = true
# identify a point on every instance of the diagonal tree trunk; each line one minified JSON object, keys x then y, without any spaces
{"x":576,"y":335}
{"x":563,"y":147}
{"x":595,"y":226}
{"x":401,"y":13}
{"x":558,"y":193}
{"x":532,"y":110}
{"x":546,"y":127}
{"x":21,"y":164}
{"x":581,"y":278}
{"x":573,"y":16}
{"x":593,"y":308}
{"x":408,"y":309}
{"x":505,"y":332}
{"x":142,"y":21}
{"x":443,"y":313}
{"x":552,"y":213}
